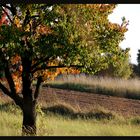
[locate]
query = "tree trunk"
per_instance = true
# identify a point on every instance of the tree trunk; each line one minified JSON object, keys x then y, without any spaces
{"x":29,"y":118}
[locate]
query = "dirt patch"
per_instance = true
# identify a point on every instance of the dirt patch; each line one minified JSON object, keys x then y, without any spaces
{"x":86,"y":101}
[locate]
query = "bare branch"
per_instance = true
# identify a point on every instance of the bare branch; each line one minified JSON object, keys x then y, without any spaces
{"x":7,"y":15}
{"x":4,"y":89}
{"x":9,"y":78}
{"x":12,"y":8}
{"x":37,"y":90}
{"x":8,"y":74}
{"x":18,"y":100}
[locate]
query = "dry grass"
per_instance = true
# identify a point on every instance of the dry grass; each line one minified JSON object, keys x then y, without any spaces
{"x":54,"y":124}
{"x":99,"y":85}
{"x":61,"y":119}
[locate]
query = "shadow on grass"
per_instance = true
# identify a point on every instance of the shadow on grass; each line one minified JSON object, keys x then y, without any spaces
{"x":8,"y":107}
{"x":63,"y":110}
{"x":135,"y":121}
{"x":68,"y":112}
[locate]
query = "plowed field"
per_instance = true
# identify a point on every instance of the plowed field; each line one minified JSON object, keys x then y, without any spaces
{"x":87,"y":101}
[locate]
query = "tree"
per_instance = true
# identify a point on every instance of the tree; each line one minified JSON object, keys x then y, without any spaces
{"x":122,"y":67}
{"x":47,"y":38}
{"x":136,"y":67}
{"x":138,"y":60}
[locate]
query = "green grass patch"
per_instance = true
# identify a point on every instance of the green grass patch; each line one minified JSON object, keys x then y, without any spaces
{"x":58,"y":121}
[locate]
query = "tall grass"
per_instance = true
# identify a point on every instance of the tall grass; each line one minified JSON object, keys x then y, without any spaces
{"x":99,"y":85}
{"x":59,"y":126}
{"x":49,"y":124}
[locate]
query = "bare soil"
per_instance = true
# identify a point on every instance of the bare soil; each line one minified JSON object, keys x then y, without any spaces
{"x":84,"y":101}
{"x":87,"y":101}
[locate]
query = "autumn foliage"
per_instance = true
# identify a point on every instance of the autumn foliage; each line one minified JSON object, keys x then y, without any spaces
{"x":42,"y":29}
{"x":16,"y":60}
{"x":41,"y":41}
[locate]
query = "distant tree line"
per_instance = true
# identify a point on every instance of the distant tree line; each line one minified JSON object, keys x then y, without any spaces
{"x":136,"y":67}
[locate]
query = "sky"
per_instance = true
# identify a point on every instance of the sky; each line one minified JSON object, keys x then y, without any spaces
{"x":132,"y":37}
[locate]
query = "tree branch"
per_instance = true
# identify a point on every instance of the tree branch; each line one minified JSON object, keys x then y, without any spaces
{"x":18,"y":100}
{"x":7,"y":73}
{"x":39,"y":62}
{"x":37,"y":90}
{"x":27,"y":18}
{"x":5,"y":90}
{"x":60,"y":66}
{"x":9,"y":78}
{"x":12,"y":8}
{"x":7,"y":15}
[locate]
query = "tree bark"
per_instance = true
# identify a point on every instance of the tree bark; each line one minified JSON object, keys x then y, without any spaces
{"x":29,"y":118}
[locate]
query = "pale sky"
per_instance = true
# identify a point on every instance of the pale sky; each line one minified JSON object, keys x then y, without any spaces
{"x":132,"y":37}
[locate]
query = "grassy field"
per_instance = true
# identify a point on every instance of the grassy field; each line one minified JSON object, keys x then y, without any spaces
{"x":52,"y":124}
{"x":99,"y":85}
{"x":63,"y":120}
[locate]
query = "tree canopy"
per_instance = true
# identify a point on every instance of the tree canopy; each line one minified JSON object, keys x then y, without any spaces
{"x":75,"y":34}
{"x":46,"y":38}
